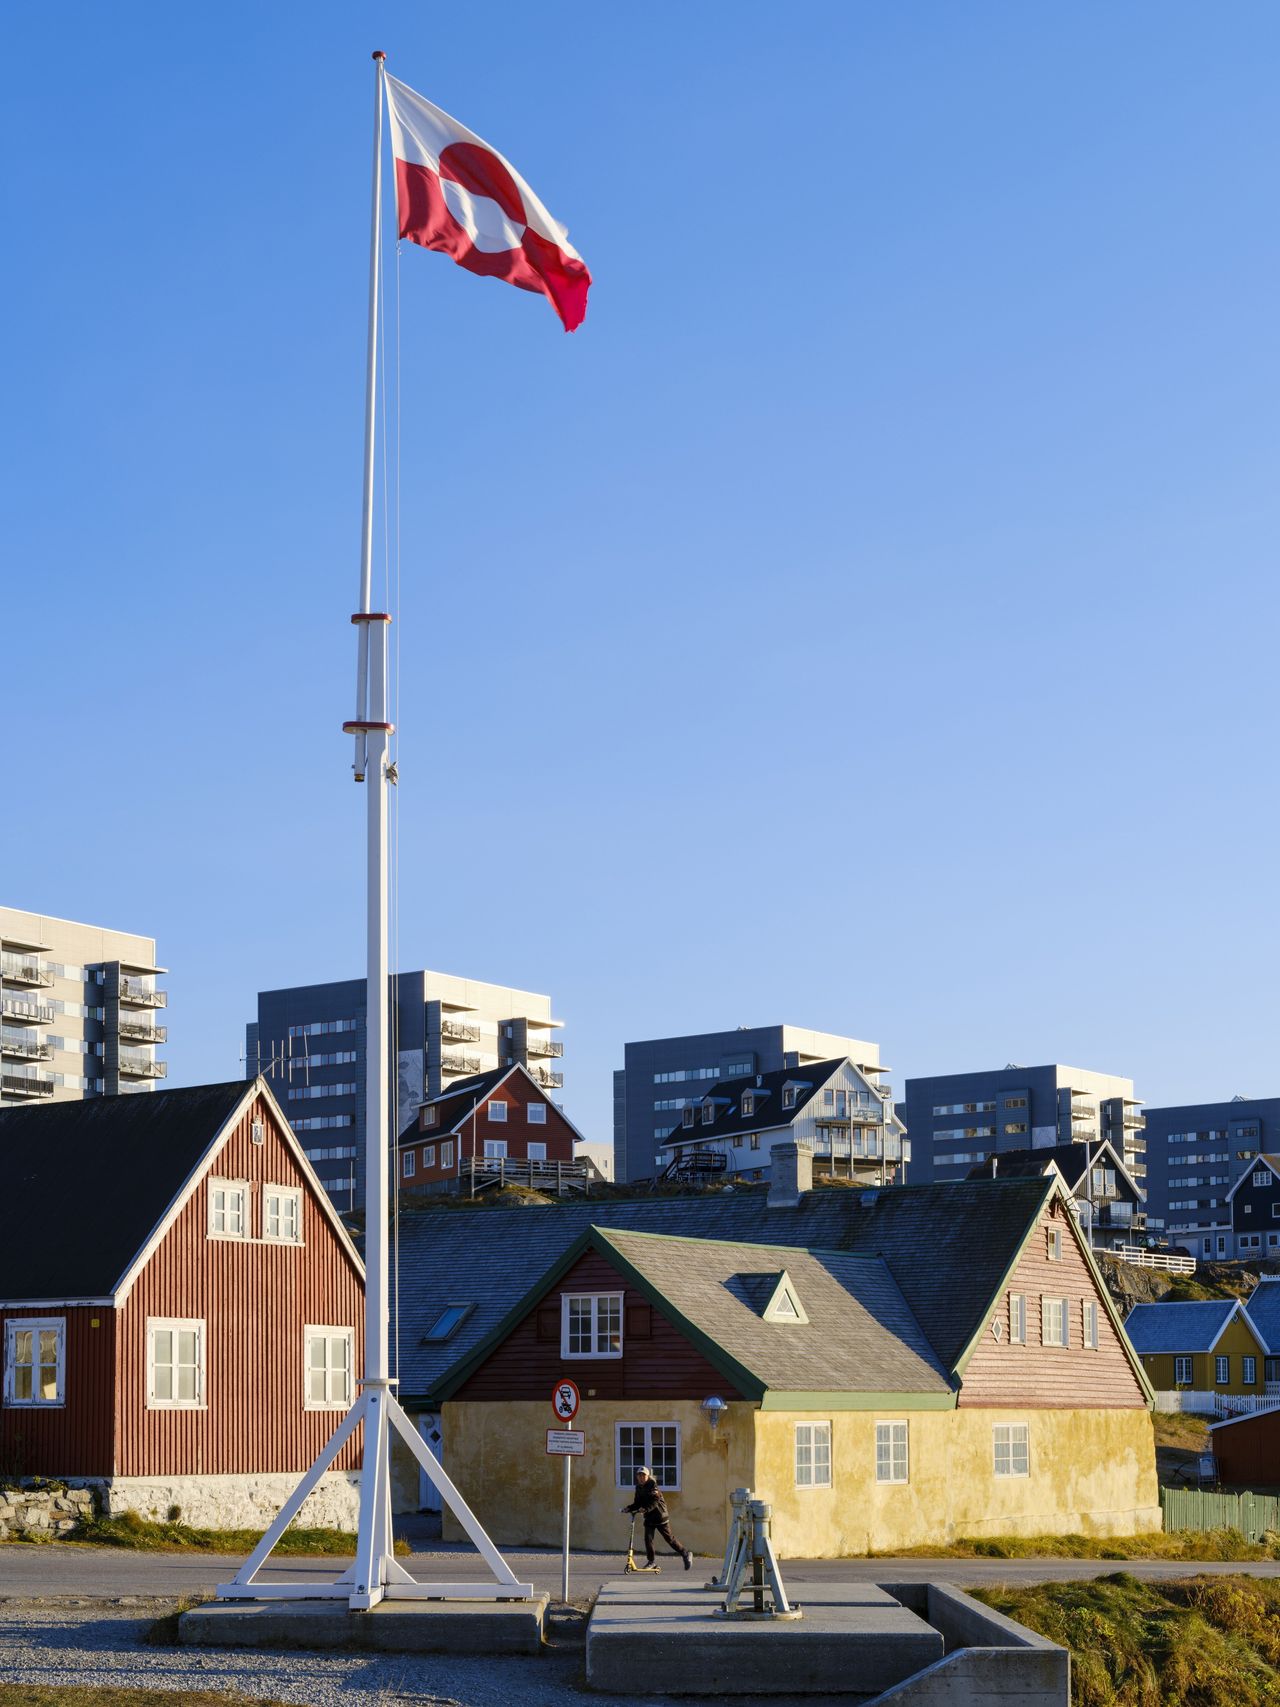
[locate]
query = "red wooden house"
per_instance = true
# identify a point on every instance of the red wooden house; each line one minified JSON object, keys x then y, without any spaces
{"x":181,"y":1308}
{"x":500,"y":1124}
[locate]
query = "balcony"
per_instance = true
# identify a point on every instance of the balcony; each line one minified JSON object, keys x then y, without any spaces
{"x":137,"y":993}
{"x":141,"y":1066}
{"x":458,"y":1031}
{"x":23,"y":969}
{"x":142,"y":1031}
{"x":26,"y":1084}
{"x":545,"y":1046}
{"x":21,"y":1046}
{"x":25,"y":1013}
{"x":547,"y":1079}
{"x":460,"y":1064}
{"x":1134,"y":1120}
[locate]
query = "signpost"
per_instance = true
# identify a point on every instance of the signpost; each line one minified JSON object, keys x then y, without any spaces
{"x":568,"y":1443}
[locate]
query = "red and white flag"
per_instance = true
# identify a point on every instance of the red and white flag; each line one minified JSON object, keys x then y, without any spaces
{"x":455,"y":193}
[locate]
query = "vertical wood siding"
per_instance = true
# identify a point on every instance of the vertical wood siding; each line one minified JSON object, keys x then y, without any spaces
{"x":517,"y":1093}
{"x":255,"y":1300}
{"x":73,"y":1439}
{"x":657,"y":1361}
{"x":1045,"y":1377}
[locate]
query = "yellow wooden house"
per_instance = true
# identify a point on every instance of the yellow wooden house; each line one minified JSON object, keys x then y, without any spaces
{"x":1207,"y":1346}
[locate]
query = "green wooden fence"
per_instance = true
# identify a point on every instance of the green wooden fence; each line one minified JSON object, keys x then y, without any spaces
{"x":1194,"y":1508}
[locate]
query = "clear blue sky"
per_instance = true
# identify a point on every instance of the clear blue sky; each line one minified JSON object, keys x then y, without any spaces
{"x":867,"y":620}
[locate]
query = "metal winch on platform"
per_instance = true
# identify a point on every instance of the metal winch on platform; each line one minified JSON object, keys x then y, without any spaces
{"x":750,"y":1576}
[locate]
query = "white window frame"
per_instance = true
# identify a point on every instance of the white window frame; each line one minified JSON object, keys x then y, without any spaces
{"x":538,"y":1145}
{"x":809,"y":1435}
{"x":748,"y":1104}
{"x":495,"y":1149}
{"x":244,"y":1188}
{"x":1009,"y":1442}
{"x":446,"y":1154}
{"x":1017,"y":1318}
{"x":178,"y":1325}
{"x":1183,"y":1369}
{"x":327,"y":1332}
{"x":536,"y":1113}
{"x":282,"y":1194}
{"x":595,"y":1299}
{"x":1089,"y":1324}
{"x":788,"y":1096}
{"x":1221,"y":1371}
{"x":430,"y":1116}
{"x":1055,"y":1311}
{"x":1053,"y":1244}
{"x":1248,"y":1371}
{"x":890,"y":1428}
{"x":35,"y":1325}
{"x":667,"y":1484}
{"x":409,"y":1164}
{"x":428,"y":1156}
{"x":496,"y":1112}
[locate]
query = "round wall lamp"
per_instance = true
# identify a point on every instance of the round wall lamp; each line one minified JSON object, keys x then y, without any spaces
{"x":715,"y":1409}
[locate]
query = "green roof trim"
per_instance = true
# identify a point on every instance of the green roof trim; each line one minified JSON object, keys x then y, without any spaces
{"x":776,"y":1400}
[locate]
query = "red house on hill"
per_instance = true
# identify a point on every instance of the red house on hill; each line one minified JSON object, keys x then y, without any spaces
{"x":181,"y":1309}
{"x":496,"y":1125}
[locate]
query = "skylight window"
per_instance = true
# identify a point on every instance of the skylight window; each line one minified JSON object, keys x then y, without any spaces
{"x":447,"y":1323}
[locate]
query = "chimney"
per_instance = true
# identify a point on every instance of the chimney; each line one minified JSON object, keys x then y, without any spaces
{"x":790,"y":1173}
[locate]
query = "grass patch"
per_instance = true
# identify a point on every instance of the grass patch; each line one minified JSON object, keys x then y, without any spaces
{"x":1209,"y":1641}
{"x":139,"y":1533}
{"x":74,"y":1695}
{"x":1216,"y":1544}
{"x":1181,"y":1431}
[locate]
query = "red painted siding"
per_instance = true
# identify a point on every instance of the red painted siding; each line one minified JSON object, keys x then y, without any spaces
{"x":255,"y":1300}
{"x":1035,"y":1376}
{"x":657,"y":1361}
{"x":76,"y":1438}
{"x":1247,"y":1452}
{"x":517,"y":1093}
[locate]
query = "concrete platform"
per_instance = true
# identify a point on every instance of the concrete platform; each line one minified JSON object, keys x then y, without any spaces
{"x":394,"y":1626}
{"x":647,"y":1637}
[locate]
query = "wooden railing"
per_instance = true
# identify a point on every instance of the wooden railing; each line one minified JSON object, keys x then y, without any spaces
{"x":481,"y":1173}
{"x":1140,"y":1257}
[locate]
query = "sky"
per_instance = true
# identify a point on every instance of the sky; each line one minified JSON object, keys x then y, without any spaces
{"x":865,"y":621}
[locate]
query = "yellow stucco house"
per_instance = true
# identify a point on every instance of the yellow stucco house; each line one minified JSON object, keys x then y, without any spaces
{"x":1208,"y":1346}
{"x":897,"y":1366}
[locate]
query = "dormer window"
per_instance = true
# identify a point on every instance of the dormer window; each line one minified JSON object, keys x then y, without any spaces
{"x":708,"y":1113}
{"x":788,"y":1096}
{"x":430,"y":1116}
{"x":748,"y":1104}
{"x":687,"y":1117}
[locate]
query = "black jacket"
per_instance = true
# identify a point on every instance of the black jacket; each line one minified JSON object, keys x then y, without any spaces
{"x":649,"y":1500}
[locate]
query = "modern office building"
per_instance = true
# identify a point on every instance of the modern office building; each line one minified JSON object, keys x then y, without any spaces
{"x":664,"y":1075}
{"x":959,"y":1119}
{"x":1195,"y":1152}
{"x":309,"y":1042}
{"x":78,"y":1010}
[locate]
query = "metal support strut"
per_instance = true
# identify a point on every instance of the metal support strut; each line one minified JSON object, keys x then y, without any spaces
{"x":752,"y":1565}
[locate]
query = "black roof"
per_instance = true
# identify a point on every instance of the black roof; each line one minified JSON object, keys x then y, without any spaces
{"x":1071,"y":1160}
{"x":948,"y":1247}
{"x":455,"y":1103}
{"x":84,"y":1184}
{"x":768,"y":1112}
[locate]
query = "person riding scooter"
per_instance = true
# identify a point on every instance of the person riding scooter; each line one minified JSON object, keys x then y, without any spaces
{"x":657,"y":1519}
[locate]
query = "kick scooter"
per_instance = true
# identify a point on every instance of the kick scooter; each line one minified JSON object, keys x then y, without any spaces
{"x":631,"y":1552}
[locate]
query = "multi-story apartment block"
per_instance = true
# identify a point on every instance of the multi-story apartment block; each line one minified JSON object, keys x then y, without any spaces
{"x":665,"y":1075}
{"x":1195,"y":1153}
{"x":959,"y":1119}
{"x":309,"y":1042}
{"x":78,"y":1010}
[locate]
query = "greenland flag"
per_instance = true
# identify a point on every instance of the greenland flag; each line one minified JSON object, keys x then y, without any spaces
{"x":455,"y":193}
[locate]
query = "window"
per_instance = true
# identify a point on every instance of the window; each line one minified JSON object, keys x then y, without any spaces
{"x":1017,"y":1319}
{"x":654,"y":1444}
{"x":1053,"y":1321}
{"x":1053,"y":1247}
{"x":536,"y":1113}
{"x":591,"y":1324}
{"x":1011,"y":1449}
{"x":428,"y":1156}
{"x":537,"y":1152}
{"x":1248,"y":1371}
{"x":1221,"y":1371}
{"x":330,"y":1354}
{"x":281,"y":1215}
{"x":1271,"y":1369}
{"x":1015,"y":1102}
{"x":813,"y":1455}
{"x":788,"y":1096}
{"x":301,"y":1093}
{"x":495,"y":1148}
{"x":430,"y":1116}
{"x":1261,"y":1177}
{"x":35,"y":1360}
{"x":748,"y":1104}
{"x":446,"y":1154}
{"x":497,"y":1112}
{"x":1091,"y":1324}
{"x":708,"y":1113}
{"x":227,"y":1213}
{"x":891,"y":1452}
{"x":409,"y":1164}
{"x":687,"y":1117}
{"x":1015,"y":1126}
{"x":754,"y":1141}
{"x":448,"y":1322}
{"x":739,"y":1069}
{"x":175,"y":1364}
{"x":1182,"y":1371}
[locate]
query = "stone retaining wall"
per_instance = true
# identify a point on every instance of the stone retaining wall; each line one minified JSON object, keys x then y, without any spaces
{"x":43,"y":1512}
{"x":234,"y":1502}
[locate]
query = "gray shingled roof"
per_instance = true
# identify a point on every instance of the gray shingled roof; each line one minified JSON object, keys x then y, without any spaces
{"x":947,"y":1246}
{"x":1263,"y":1309}
{"x":860,"y":1336}
{"x":84,"y":1183}
{"x":1158,"y":1329}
